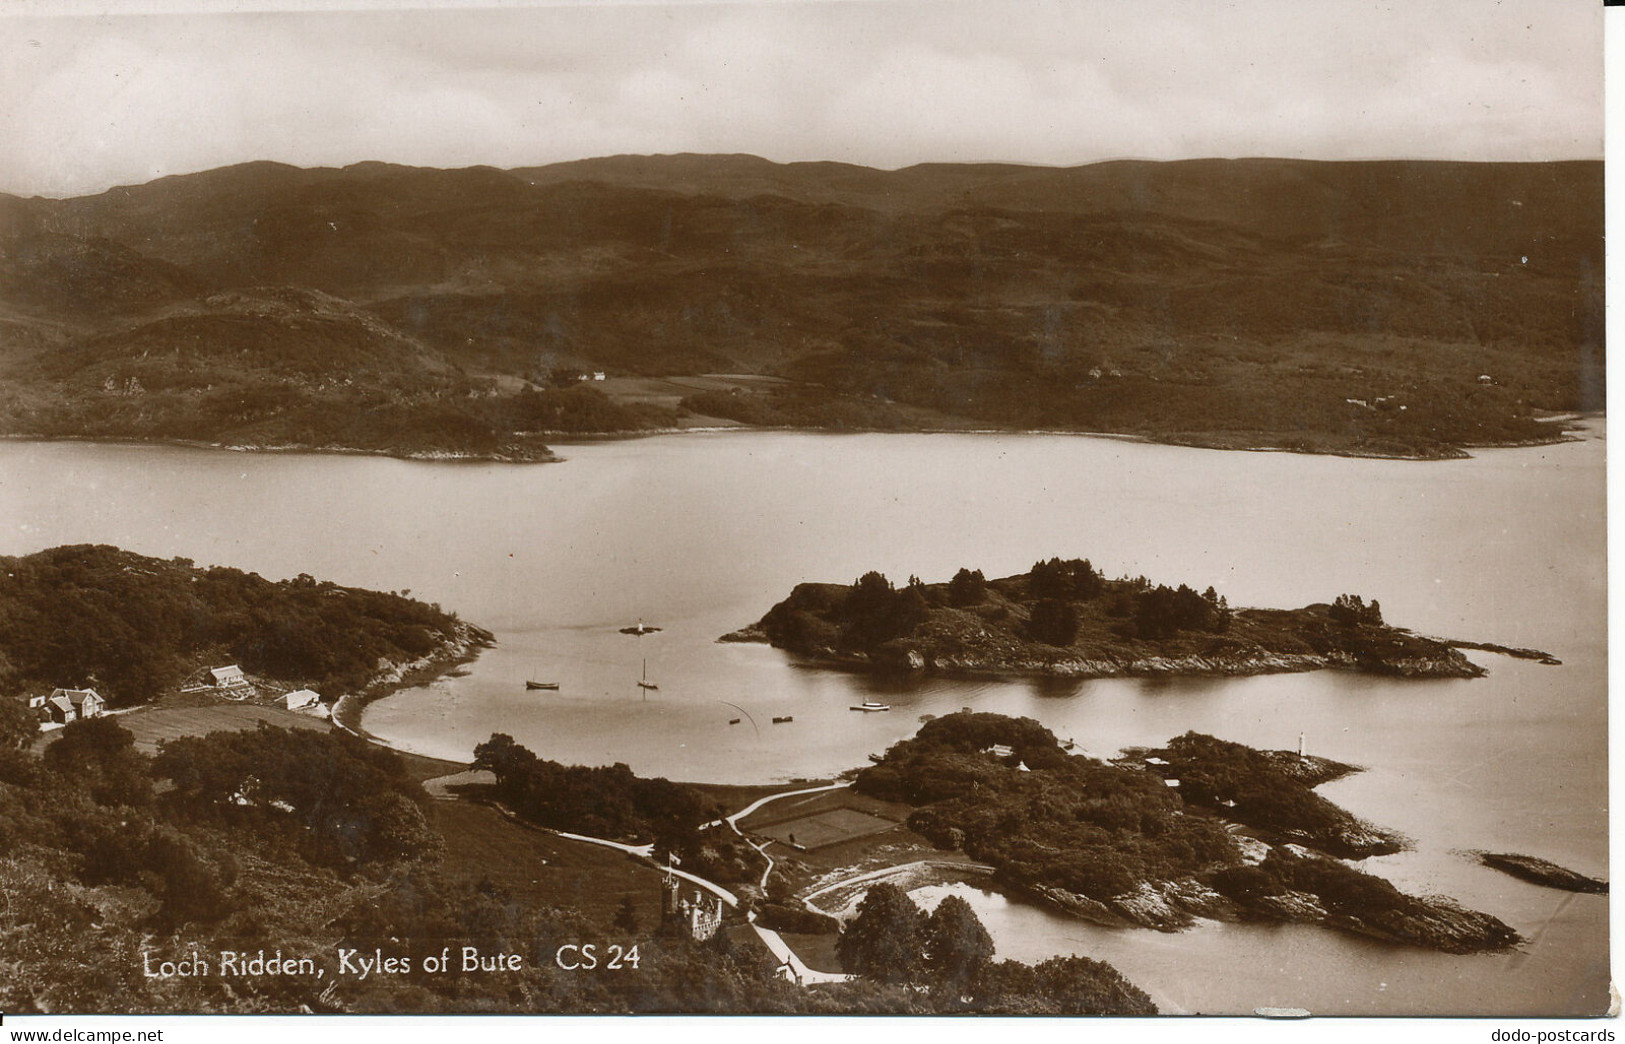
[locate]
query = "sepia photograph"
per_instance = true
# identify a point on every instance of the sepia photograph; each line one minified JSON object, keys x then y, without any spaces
{"x":884,"y":507}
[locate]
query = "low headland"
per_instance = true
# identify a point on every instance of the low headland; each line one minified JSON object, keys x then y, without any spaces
{"x":1066,"y":619}
{"x":1201,"y":828}
{"x":141,"y":630}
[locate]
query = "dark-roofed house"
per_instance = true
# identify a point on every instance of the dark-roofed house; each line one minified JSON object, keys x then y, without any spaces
{"x":65,"y":705}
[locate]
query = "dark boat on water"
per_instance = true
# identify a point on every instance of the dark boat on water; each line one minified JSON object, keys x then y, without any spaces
{"x":532,"y":685}
{"x":646,"y":684}
{"x":781,"y":721}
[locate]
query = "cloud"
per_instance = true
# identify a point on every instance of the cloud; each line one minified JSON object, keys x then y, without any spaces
{"x":98,"y":101}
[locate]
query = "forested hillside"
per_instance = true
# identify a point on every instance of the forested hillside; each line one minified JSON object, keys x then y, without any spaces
{"x":133,"y":627}
{"x":1396,"y":308}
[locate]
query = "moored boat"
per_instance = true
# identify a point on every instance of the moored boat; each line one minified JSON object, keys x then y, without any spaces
{"x":532,"y":685}
{"x":871,"y":705}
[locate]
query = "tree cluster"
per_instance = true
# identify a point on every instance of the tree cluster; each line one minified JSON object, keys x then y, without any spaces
{"x":1350,"y":610}
{"x":1162,"y":611}
{"x":603,"y":801}
{"x":334,"y":799}
{"x":1073,"y":579}
{"x":967,"y":588}
{"x":88,"y":802}
{"x":1353,"y":897}
{"x":875,"y":612}
{"x":949,"y":954}
{"x":1067,"y":822}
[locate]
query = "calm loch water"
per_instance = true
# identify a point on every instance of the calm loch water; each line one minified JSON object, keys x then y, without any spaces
{"x":700,"y":534}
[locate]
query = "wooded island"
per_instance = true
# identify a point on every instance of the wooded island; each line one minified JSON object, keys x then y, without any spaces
{"x":1064,"y":618}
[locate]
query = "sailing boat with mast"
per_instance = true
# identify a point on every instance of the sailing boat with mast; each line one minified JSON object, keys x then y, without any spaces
{"x":645,"y":683}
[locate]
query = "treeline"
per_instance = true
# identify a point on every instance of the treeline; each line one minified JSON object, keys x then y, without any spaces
{"x":433,"y":419}
{"x":574,"y":408}
{"x":608,"y":801}
{"x":1056,"y":597}
{"x":133,"y":626}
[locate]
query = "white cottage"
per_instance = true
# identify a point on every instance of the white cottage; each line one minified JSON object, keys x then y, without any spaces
{"x":229,"y":677}
{"x":301,"y":699}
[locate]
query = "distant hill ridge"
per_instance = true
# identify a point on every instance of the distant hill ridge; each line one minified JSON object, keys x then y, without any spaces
{"x":1341,"y":306}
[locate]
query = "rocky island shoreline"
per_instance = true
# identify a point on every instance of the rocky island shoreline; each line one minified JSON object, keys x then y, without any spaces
{"x":1066,"y":619}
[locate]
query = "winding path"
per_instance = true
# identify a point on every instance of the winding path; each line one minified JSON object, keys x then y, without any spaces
{"x":439,"y":788}
{"x":734,"y":819}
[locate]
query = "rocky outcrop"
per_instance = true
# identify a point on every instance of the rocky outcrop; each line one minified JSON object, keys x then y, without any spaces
{"x":902,"y":656}
{"x":1166,"y":906}
{"x":1543,"y":872}
{"x":1435,"y":923}
{"x":464,"y":646}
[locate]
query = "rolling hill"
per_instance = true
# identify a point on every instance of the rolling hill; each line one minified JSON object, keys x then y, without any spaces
{"x":1407,"y":308}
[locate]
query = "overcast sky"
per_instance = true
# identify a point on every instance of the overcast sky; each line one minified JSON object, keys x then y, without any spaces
{"x":90,"y":102}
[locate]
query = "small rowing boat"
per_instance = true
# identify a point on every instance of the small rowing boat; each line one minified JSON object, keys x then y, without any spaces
{"x":871,"y":705}
{"x":532,"y":685}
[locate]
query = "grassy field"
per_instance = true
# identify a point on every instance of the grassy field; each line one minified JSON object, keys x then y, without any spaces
{"x":538,"y":867}
{"x":823,"y":829}
{"x":731,"y":797}
{"x":773,"y":814}
{"x":152,"y":725}
{"x":846,"y":833}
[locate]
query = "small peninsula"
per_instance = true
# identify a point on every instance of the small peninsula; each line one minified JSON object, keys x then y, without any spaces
{"x":139,"y":630}
{"x":1202,"y":828}
{"x":1066,"y":619}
